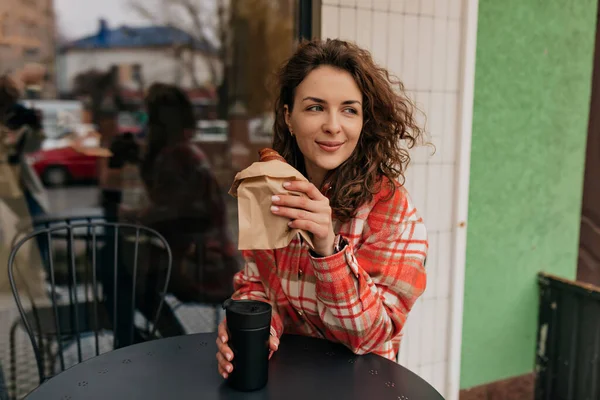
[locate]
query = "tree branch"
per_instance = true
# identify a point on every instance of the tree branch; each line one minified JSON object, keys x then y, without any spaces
{"x":192,"y":10}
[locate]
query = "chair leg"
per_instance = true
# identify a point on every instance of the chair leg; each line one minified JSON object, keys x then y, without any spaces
{"x":42,"y":353}
{"x":217,"y":315}
{"x":51,"y":357}
{"x":12,"y":391}
{"x":46,"y":355}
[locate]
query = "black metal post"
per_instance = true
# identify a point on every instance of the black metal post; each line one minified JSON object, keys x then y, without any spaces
{"x":305,"y":19}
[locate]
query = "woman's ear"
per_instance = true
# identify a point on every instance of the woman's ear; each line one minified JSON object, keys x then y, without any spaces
{"x":286,"y":113}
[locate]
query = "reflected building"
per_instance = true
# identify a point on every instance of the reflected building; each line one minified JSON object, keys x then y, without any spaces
{"x":27,"y":44}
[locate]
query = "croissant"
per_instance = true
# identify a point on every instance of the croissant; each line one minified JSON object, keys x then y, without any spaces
{"x":268,"y":154}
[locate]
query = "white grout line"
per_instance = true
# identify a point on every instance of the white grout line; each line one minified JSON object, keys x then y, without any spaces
{"x":470,"y":8}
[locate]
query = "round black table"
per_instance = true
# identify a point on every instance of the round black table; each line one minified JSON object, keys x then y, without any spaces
{"x":185,"y":367}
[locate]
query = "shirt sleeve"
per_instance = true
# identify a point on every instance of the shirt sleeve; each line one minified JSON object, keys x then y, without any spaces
{"x":364,"y":294}
{"x":248,"y":284}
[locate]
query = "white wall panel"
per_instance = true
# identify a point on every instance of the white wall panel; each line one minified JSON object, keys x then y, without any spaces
{"x":420,"y":42}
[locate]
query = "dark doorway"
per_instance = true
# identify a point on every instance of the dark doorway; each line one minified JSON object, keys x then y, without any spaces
{"x":588,"y":267}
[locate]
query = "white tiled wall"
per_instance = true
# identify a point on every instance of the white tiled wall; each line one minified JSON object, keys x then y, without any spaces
{"x":420,"y":41}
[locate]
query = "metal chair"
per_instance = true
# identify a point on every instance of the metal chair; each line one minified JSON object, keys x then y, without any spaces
{"x":46,"y":221}
{"x":68,"y":322}
{"x":3,"y":388}
{"x":43,"y":315}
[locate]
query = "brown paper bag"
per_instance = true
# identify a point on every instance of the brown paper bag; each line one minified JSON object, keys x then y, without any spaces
{"x":259,"y":228}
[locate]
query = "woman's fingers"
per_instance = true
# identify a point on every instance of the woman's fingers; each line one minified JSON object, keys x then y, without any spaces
{"x":223,"y":363}
{"x":273,"y":343}
{"x":225,"y":367}
{"x":222,"y":332}
{"x":320,"y":231}
{"x":224,"y":349}
{"x":222,"y":339}
{"x":300,"y":202}
{"x":295,"y":213}
{"x":305,"y":187}
{"x":312,"y":214}
{"x":313,"y":208}
{"x":322,"y":217}
{"x":225,"y":355}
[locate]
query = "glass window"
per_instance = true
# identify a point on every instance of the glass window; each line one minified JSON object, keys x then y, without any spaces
{"x":143,"y":112}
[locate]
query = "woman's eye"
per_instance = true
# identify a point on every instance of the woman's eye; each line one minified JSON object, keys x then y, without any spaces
{"x":315,"y":108}
{"x":351,"y":111}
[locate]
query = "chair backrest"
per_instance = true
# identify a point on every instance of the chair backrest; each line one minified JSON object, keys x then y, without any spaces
{"x":46,"y":221}
{"x":75,"y":306}
{"x":42,"y":222}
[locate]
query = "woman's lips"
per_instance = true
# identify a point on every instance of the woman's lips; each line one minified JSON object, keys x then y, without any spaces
{"x":330,"y":147}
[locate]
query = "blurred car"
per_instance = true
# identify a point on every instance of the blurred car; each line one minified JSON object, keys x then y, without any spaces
{"x":60,"y":166}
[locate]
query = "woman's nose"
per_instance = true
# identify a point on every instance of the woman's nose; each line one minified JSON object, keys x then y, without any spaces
{"x":332,"y":125}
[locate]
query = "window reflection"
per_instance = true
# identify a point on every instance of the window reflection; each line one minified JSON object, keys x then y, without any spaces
{"x":140,"y":111}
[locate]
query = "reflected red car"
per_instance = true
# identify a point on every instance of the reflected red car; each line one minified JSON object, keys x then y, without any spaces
{"x":58,"y":167}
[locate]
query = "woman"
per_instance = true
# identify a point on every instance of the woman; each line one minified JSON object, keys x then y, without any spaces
{"x":339,"y":121}
{"x":186,"y":205}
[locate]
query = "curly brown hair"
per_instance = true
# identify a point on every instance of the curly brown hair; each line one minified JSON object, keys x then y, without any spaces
{"x":389,"y":127}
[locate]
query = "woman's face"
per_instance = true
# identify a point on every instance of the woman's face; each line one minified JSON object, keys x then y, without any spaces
{"x":326,"y":119}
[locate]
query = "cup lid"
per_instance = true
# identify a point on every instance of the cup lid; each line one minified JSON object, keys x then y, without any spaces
{"x":247,"y":314}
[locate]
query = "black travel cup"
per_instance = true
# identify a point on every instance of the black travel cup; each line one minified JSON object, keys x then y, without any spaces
{"x":249,"y":324}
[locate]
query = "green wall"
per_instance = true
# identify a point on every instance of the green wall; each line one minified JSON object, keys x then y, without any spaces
{"x":532,"y":90}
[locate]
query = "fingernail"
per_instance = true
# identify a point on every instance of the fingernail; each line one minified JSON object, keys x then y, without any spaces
{"x":275,"y":198}
{"x":286,"y":184}
{"x":228,"y":356}
{"x":228,"y":368}
{"x":290,"y":223}
{"x":224,"y":375}
{"x":274,"y":208}
{"x":223,"y":339}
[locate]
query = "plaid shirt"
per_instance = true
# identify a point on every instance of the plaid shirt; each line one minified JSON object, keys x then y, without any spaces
{"x":359,"y":296}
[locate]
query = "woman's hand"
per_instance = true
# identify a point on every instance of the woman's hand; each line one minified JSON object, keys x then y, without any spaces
{"x":311,"y":213}
{"x":225,"y":355}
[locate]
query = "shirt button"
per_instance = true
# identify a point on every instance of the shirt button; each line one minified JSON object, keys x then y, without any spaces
{"x":300,"y":272}
{"x":300,"y":313}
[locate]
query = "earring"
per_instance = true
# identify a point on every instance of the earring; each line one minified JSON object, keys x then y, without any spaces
{"x":291,"y":132}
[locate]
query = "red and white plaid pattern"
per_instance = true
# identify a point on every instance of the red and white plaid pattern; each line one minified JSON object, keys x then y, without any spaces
{"x":360,"y":296}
